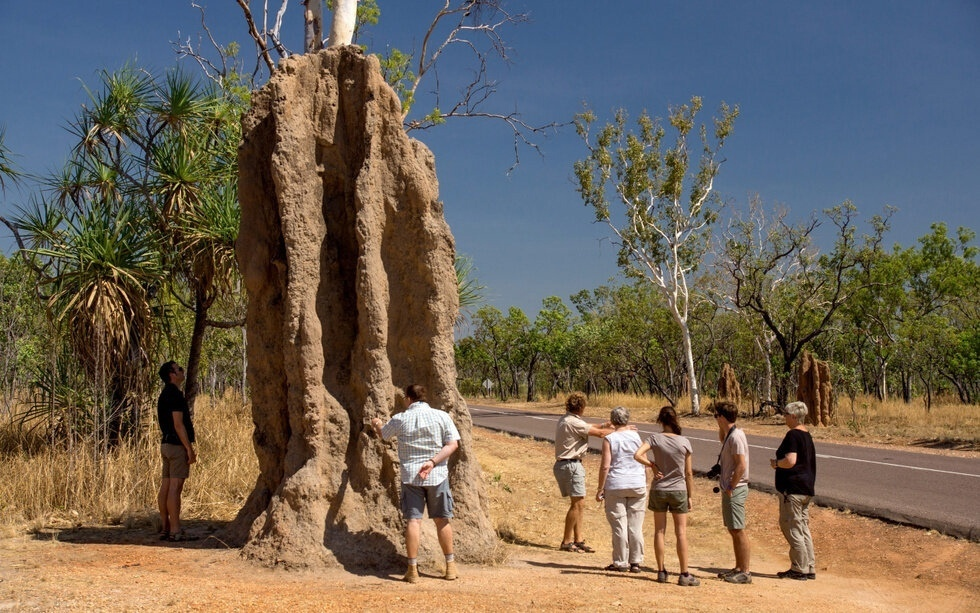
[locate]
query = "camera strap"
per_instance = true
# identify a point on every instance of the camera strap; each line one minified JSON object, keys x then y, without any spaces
{"x":725,"y":442}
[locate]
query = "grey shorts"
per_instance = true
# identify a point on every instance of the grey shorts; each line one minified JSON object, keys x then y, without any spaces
{"x":662,"y":501}
{"x":733,"y":507}
{"x":438,"y":499}
{"x":570,"y":475}
{"x":175,"y":464}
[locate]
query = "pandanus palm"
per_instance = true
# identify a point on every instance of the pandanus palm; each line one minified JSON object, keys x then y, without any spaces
{"x":99,"y":267}
{"x":147,"y":201}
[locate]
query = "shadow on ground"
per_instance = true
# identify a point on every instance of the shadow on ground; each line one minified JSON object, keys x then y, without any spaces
{"x":202,"y":535}
{"x":953,"y":444}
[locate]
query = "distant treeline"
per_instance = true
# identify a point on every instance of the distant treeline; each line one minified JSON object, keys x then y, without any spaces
{"x":906,"y":324}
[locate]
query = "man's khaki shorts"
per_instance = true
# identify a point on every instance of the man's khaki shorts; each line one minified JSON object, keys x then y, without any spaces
{"x":175,"y":464}
{"x":733,"y":507}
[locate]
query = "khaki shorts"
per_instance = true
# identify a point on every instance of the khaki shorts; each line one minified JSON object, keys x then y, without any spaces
{"x":662,"y":501}
{"x":570,"y":475}
{"x":175,"y":464}
{"x":733,"y":507}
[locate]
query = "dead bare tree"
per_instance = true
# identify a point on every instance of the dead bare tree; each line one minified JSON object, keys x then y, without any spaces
{"x":475,"y":26}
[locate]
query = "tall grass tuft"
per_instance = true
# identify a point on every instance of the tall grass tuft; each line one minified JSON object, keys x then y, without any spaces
{"x":46,"y":485}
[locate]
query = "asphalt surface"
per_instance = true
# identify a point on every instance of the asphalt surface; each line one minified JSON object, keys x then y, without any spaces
{"x":930,"y":491}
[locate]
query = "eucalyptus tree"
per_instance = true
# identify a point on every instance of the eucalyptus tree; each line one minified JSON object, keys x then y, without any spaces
{"x":490,"y":336}
{"x":938,"y":301}
{"x":553,"y":327}
{"x":668,"y":201}
{"x":474,"y":367}
{"x":775,"y":273}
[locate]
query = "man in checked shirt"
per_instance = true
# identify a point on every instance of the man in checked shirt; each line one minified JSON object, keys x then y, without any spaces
{"x":426,"y":439}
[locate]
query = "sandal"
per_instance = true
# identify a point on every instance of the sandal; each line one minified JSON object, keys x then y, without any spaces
{"x":180,"y":537}
{"x":573,"y":547}
{"x":583,"y":547}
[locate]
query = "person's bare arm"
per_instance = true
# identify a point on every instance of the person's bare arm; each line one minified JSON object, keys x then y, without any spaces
{"x":689,"y":478}
{"x":740,"y":466}
{"x":376,"y":424}
{"x":603,"y":470}
{"x":447,"y":450}
{"x":641,"y":455}
{"x":787,"y":461}
{"x":601,"y":431}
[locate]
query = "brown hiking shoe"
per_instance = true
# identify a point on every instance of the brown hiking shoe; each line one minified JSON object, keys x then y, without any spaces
{"x":412,"y":574}
{"x":451,"y":571}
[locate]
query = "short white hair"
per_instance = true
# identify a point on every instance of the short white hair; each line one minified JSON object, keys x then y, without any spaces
{"x":620,"y":416}
{"x":796,"y":409}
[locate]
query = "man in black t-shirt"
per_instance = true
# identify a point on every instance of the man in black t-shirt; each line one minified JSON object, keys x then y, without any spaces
{"x":176,"y":449}
{"x":796,"y":472}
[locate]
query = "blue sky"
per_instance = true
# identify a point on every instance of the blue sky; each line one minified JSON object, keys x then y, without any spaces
{"x":873,"y":101}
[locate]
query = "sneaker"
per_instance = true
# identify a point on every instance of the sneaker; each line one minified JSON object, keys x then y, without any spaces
{"x":635,"y":568}
{"x":661,"y":576}
{"x":793,"y":574}
{"x":412,"y":574}
{"x":811,"y":576}
{"x":728,"y":573}
{"x":614,"y":568}
{"x":688,"y":580}
{"x":740,"y":577}
{"x":451,"y":571}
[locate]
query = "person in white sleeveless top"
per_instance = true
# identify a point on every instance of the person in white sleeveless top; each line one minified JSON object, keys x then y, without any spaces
{"x":673,"y":482}
{"x":623,"y":486}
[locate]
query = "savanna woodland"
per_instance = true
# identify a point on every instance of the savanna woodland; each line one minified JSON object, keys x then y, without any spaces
{"x":125,"y":258}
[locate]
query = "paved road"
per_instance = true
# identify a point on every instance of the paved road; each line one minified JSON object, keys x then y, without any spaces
{"x":919,"y":489}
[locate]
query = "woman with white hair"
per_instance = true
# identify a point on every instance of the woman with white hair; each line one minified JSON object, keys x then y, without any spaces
{"x":623,"y":485}
{"x":796,"y":473}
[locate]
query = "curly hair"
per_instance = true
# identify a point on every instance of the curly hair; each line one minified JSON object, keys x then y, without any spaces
{"x":575,"y":403}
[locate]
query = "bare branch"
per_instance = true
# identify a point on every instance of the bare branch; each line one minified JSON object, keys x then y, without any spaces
{"x":186,"y":49}
{"x":256,"y":36}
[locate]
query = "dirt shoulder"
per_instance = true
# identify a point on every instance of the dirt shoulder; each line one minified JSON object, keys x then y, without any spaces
{"x":862,"y":564}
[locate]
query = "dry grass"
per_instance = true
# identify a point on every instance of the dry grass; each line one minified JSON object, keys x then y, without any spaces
{"x":46,"y":486}
{"x":862,"y":564}
{"x":949,"y":426}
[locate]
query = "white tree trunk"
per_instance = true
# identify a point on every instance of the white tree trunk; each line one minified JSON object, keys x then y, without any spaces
{"x":766,"y":350}
{"x":313,"y":18}
{"x":342,"y":27}
{"x":692,"y":377}
{"x":884,"y":381}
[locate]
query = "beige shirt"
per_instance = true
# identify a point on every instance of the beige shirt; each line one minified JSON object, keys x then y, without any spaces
{"x":571,"y":437}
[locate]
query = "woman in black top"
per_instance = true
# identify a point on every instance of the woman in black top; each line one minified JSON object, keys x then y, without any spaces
{"x":796,"y":472}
